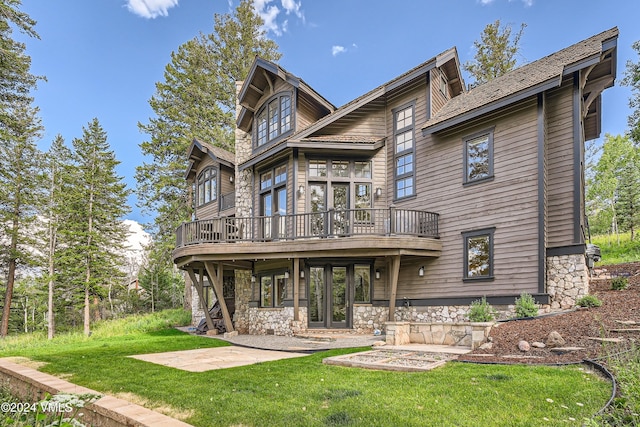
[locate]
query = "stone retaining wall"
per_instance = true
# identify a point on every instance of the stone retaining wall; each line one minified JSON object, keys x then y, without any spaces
{"x":464,"y":334}
{"x":31,"y":386}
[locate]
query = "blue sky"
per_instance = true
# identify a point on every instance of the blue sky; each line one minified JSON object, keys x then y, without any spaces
{"x":102,"y":58}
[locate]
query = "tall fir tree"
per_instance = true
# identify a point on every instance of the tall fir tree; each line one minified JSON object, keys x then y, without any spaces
{"x":16,"y":79}
{"x":94,"y":236}
{"x":20,"y":188}
{"x":495,"y":52}
{"x":196,"y":100}
{"x":57,"y":184}
{"x":628,"y":194}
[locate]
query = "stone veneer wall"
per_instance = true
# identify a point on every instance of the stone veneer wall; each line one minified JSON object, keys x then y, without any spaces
{"x":466,"y":334}
{"x":197,"y":313}
{"x":276,"y":321}
{"x":567,"y":280}
{"x":244,"y":208}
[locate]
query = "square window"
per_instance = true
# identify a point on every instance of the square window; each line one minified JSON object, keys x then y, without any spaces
{"x":317,"y":168}
{"x":478,"y":254}
{"x":340,"y":168}
{"x":363,"y":169}
{"x":478,"y":154}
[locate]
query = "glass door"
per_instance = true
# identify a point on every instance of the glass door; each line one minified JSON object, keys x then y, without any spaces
{"x":329,"y":297}
{"x":340,"y":199}
{"x":339,"y":301}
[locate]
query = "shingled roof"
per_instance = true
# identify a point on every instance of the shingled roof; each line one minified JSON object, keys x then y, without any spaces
{"x":522,"y":82}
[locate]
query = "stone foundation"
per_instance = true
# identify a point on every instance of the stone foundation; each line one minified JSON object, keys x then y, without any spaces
{"x":197,"y":313}
{"x":465,"y":334}
{"x":276,"y":321}
{"x":567,"y":280}
{"x":367,"y":318}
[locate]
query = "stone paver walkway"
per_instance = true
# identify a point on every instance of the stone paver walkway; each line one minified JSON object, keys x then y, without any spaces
{"x":207,"y":359}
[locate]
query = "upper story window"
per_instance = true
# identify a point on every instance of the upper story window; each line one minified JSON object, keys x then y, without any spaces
{"x":207,"y":187}
{"x":274,"y":119}
{"x":478,"y":157}
{"x":404,"y":152}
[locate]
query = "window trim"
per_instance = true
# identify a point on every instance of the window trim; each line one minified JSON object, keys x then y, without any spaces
{"x":267,"y":130}
{"x":214,"y":194}
{"x":489,"y":232}
{"x":465,"y":159}
{"x":412,"y":151}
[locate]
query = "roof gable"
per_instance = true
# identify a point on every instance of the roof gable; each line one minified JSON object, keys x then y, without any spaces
{"x":524,"y":81}
{"x":197,"y":152}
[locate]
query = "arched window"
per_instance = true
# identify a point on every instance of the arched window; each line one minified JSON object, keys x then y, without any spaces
{"x":207,"y":186}
{"x":274,"y":119}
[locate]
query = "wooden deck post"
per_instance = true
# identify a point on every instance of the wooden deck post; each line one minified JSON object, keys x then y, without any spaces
{"x":394,"y":273}
{"x":296,"y":289}
{"x":217,"y":287}
{"x":199,"y":288}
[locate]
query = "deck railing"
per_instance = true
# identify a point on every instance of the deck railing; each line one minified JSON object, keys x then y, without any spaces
{"x":331,"y":223}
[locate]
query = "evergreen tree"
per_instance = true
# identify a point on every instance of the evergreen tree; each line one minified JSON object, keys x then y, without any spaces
{"x":495,"y":52}
{"x":57,"y":185}
{"x":196,"y":100}
{"x":20,"y":187}
{"x":632,"y":78}
{"x":94,"y":236}
{"x":628,"y":194}
{"x":16,"y":79}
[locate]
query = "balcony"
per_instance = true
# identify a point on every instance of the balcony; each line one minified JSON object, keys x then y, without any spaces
{"x":327,"y":224}
{"x":332,"y":233}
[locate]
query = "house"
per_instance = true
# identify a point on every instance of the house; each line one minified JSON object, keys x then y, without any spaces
{"x":407,"y":203}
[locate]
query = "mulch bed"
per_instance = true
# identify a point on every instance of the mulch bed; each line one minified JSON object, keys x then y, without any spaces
{"x":587,"y":329}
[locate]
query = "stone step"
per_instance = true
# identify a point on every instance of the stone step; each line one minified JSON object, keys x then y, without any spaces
{"x":611,"y":340}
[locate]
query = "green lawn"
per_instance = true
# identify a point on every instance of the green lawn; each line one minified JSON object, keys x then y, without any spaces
{"x":304,"y":392}
{"x":616,"y":251}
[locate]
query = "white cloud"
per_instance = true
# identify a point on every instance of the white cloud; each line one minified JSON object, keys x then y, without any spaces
{"x":151,"y":8}
{"x":336,"y":50}
{"x":269,"y":14}
{"x":485,"y":2}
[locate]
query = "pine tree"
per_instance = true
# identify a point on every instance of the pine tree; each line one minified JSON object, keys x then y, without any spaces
{"x":495,"y":53}
{"x":196,"y":100}
{"x":94,"y":236}
{"x":628,"y":194}
{"x":58,"y":161}
{"x":16,"y":79}
{"x":20,"y":186}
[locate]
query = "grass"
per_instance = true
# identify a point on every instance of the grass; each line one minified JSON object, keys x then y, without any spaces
{"x":613,"y":253}
{"x":305,"y":392}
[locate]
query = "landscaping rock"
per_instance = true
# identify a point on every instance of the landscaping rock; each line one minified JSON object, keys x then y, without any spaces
{"x":486,"y":346}
{"x":524,"y":346}
{"x":538,"y":344}
{"x":564,"y":350}
{"x":379,"y":344}
{"x":554,"y":339}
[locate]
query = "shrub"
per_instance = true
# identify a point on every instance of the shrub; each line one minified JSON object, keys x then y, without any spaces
{"x":526,"y":306}
{"x":481,"y":311}
{"x":619,"y":283}
{"x":589,"y":301}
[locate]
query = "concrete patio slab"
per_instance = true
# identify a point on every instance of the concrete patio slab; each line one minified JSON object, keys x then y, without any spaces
{"x":207,"y":359}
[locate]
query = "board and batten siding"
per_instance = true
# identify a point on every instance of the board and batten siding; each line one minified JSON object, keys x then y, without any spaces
{"x":509,"y":203}
{"x":559,"y":118}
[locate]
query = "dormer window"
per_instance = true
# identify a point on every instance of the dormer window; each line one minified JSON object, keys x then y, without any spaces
{"x":207,"y":186}
{"x":274,"y":119}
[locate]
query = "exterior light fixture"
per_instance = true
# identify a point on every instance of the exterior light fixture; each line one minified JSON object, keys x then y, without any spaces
{"x":253,"y":278}
{"x":378,"y":192}
{"x":302,"y":274}
{"x":286,"y":274}
{"x":377,"y":274}
{"x":230,"y":178}
{"x":421,"y":271}
{"x":301,"y":191}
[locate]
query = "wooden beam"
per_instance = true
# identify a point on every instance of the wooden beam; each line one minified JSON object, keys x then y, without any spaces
{"x":198,"y":285}
{"x":296,"y":289}
{"x":394,"y":273}
{"x":216,"y":280}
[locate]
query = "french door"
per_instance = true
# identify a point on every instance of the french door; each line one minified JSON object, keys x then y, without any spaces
{"x":329,"y":297}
